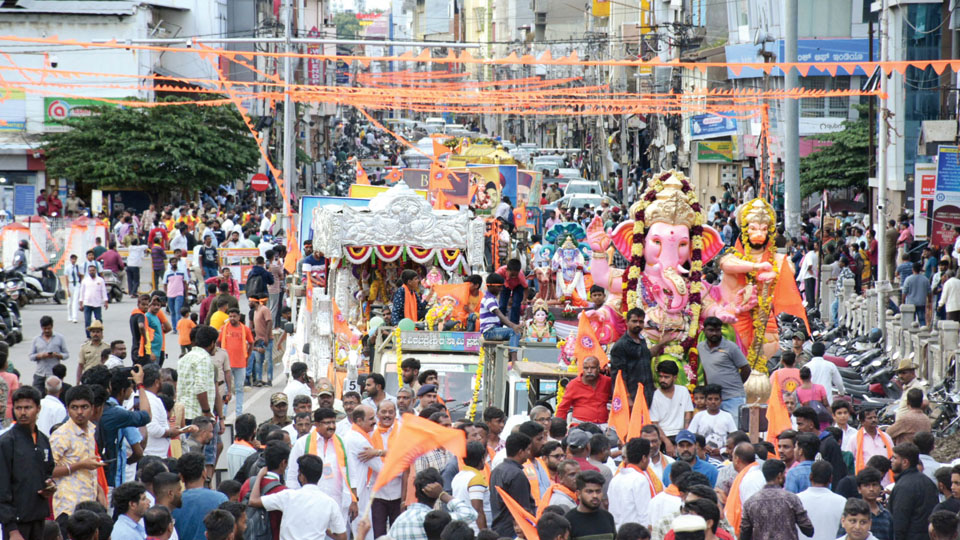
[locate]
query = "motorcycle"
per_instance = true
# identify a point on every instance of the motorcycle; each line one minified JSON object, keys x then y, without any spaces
{"x":15,"y":288}
{"x":113,"y":285}
{"x":42,"y":282}
{"x":10,"y":316}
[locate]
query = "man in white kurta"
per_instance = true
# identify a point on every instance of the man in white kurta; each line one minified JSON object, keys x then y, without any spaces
{"x":323,"y":442}
{"x":363,"y":460}
{"x":630,"y":491}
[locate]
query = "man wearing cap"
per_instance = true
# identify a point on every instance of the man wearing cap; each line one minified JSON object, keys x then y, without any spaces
{"x":427,"y":395}
{"x":279,"y":406}
{"x":687,"y":451}
{"x":92,"y":350}
{"x":907,"y":374}
{"x":578,"y":449}
{"x":588,"y":395}
{"x":325,"y":397}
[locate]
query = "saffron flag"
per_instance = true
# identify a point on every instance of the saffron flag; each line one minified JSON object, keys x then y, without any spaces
{"x":472,"y":192}
{"x":520,"y":216}
{"x":362,"y":176}
{"x":440,"y":150}
{"x":457,"y":293}
{"x":640,"y":415}
{"x":341,"y":328}
{"x":309,"y":296}
{"x":587,"y":344}
{"x":620,"y":408}
{"x":293,"y":255}
{"x":778,"y":419}
{"x":441,"y":202}
{"x":526,"y":521}
{"x":439,"y":177}
{"x":395,"y":175}
{"x":416,"y":437}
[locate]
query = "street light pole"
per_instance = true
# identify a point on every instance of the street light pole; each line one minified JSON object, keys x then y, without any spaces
{"x":791,"y":150}
{"x":289,"y":174}
{"x":883,"y":137}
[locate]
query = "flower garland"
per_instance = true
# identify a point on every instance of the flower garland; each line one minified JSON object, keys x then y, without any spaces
{"x":437,"y":314}
{"x":688,"y":346}
{"x":560,"y":391}
{"x":398,"y":343}
{"x":761,"y":311}
{"x":477,"y":379}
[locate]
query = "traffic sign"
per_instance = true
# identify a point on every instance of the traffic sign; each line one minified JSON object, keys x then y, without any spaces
{"x":259,"y":182}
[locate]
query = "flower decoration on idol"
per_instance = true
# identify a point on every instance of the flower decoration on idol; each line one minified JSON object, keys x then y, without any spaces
{"x":758,"y":223}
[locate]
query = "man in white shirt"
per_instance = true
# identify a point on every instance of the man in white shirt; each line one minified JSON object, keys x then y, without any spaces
{"x":135,"y":259}
{"x":375,"y":389}
{"x":470,"y":484}
{"x":386,"y":503}
{"x":713,"y":421}
{"x":297,"y":385}
{"x":308,"y":513}
{"x":631,"y":491}
{"x":159,"y":431}
{"x":350,"y":402}
{"x":672,"y":408}
{"x":808,"y":276}
{"x":73,"y":274}
{"x":118,"y":353}
{"x":363,"y":459}
{"x":52,"y":411}
{"x":666,"y":503}
{"x":824,"y":507}
{"x":658,"y":460}
{"x":93,"y":296}
{"x":824,"y":372}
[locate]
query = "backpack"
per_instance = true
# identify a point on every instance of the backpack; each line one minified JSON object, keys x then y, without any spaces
{"x":255,"y":285}
{"x":258,"y":519}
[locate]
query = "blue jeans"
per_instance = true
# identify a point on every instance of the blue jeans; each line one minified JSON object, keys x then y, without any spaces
{"x":921,"y":315}
{"x":503,"y":333}
{"x":174,"y":303}
{"x":260,"y":362}
{"x":238,"y":375}
{"x":514,"y":299}
{"x":88,"y":312}
{"x":209,"y":272}
{"x":835,"y":311}
{"x":732,"y":406}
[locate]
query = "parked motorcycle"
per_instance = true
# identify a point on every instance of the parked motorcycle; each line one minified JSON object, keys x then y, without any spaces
{"x":15,"y":287}
{"x":113,"y":285}
{"x":42,"y":283}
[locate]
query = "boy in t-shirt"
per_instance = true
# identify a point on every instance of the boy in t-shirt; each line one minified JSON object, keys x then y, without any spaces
{"x":699,"y":400}
{"x":237,"y":339}
{"x":597,"y":296}
{"x":494,"y":325}
{"x":473,"y":303}
{"x":512,"y":289}
{"x":713,"y":420}
{"x":188,"y":321}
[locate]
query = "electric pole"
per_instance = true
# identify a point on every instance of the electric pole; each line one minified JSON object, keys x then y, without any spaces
{"x":791,"y":151}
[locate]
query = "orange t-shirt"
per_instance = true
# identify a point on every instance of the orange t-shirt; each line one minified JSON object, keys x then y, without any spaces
{"x":183,"y":330}
{"x":235,"y":340}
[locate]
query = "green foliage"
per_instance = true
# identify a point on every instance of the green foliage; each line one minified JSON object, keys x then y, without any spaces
{"x":182,"y":147}
{"x":842,"y":165}
{"x":348,"y":27}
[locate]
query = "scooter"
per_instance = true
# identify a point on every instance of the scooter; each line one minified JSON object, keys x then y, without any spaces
{"x":42,"y":282}
{"x":112,"y":283}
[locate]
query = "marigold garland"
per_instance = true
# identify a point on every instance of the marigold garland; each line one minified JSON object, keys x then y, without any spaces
{"x":477,"y":379}
{"x":399,"y":346}
{"x":762,"y":310}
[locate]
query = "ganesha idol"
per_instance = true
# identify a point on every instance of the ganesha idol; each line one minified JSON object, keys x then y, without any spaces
{"x":667,"y":245}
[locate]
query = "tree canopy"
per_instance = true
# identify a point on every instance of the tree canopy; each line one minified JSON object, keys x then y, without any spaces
{"x":348,"y":27}
{"x":157,"y":148}
{"x":844,"y":164}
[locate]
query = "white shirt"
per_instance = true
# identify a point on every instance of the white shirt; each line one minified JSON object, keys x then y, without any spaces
{"x":179,"y":242}
{"x":363,"y":474}
{"x":308,"y":513}
{"x":157,"y":444}
{"x":93,"y":292}
{"x":752,"y":483}
{"x":825,"y":509}
{"x":950,"y":297}
{"x":629,"y":495}
{"x":394,"y":488}
{"x":73,"y":274}
{"x":707,"y":424}
{"x":659,"y":465}
{"x":296,"y":388}
{"x":291,"y":430}
{"x":669,"y":412}
{"x":136,"y":255}
{"x":825,"y":372}
{"x":849,"y":439}
{"x":333,"y":482}
{"x":236,"y":453}
{"x":461,"y":489}
{"x":930,"y":466}
{"x":115,"y":361}
{"x":662,"y":506}
{"x":343,"y":427}
{"x":808,"y":266}
{"x":370,"y":403}
{"x":52,"y":412}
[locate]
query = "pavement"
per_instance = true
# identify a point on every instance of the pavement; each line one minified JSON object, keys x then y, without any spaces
{"x":116,"y":326}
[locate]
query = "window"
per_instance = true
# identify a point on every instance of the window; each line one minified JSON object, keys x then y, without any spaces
{"x":825,"y":107}
{"x":824,"y":18}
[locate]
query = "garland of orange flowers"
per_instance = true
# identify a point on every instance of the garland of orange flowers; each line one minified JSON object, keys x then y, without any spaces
{"x":761,"y":311}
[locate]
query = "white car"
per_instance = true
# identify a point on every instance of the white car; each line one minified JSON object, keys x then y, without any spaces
{"x":580,"y":200}
{"x":586,"y":187}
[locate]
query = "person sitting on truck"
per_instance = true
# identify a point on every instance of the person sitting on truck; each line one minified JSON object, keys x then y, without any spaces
{"x":494,"y":325}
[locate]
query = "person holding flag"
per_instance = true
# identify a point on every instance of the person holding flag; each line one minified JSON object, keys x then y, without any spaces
{"x":429,"y":488}
{"x":364,"y":458}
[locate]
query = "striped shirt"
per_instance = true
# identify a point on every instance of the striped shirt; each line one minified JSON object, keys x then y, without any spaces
{"x":488,"y":319}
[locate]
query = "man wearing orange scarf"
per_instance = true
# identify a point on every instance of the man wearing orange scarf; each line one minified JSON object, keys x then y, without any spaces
{"x":749,"y":480}
{"x":407,"y":303}
{"x":386,"y":502}
{"x":364,"y":459}
{"x":631,"y":490}
{"x":870,"y":441}
{"x":563,"y":492}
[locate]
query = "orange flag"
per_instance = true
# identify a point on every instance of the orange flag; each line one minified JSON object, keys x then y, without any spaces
{"x":520,"y":216}
{"x":293,"y":256}
{"x":395,"y":175}
{"x":640,"y":415}
{"x":309,"y":296}
{"x":416,"y":437}
{"x":620,"y":408}
{"x":472,"y":192}
{"x":441,"y":202}
{"x":460,"y":292}
{"x":362,"y":175}
{"x":439,"y":177}
{"x":526,"y":521}
{"x":587,"y":344}
{"x":341,"y":328}
{"x":778,"y":419}
{"x":439,"y":149}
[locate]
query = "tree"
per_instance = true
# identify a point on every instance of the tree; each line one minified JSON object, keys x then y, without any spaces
{"x":843,"y":164}
{"x":348,"y":27}
{"x":172,"y":147}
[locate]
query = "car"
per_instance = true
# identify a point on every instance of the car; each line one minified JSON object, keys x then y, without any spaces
{"x":567,"y":172}
{"x":588,"y":187}
{"x":547,"y":164}
{"x":579,"y":200}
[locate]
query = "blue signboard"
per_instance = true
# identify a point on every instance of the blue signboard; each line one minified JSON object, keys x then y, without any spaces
{"x":809,"y":51}
{"x":946,"y":198}
{"x":24,"y":200}
{"x":709,"y":126}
